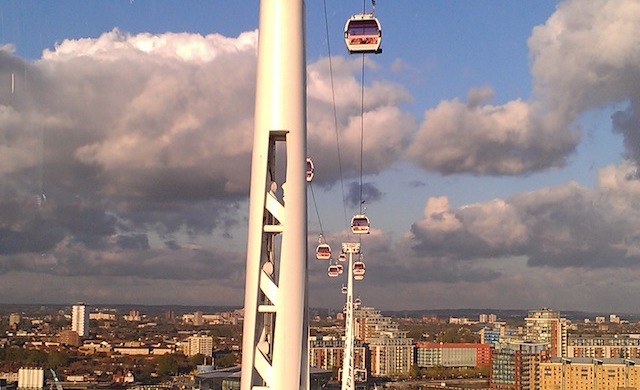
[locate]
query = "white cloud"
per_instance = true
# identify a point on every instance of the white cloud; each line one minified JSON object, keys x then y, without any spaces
{"x":137,"y":136}
{"x":585,"y":56}
{"x":382,"y":129}
{"x":563,"y":226}
{"x":486,"y":139}
{"x":187,"y":47}
{"x":438,"y":217}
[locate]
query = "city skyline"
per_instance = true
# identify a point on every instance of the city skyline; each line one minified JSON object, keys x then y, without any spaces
{"x":500,"y":152}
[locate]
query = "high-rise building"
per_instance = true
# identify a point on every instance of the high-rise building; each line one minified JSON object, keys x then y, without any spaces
{"x":80,"y":319}
{"x":14,"y":320}
{"x":490,"y":336}
{"x":390,"y":348}
{"x":198,"y":319}
{"x":202,"y":345}
{"x":326,"y":352}
{"x":515,"y":365}
{"x":133,"y":316}
{"x":546,"y":326}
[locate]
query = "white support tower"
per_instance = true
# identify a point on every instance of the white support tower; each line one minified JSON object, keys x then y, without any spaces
{"x":274,"y":348}
{"x":348,"y":360}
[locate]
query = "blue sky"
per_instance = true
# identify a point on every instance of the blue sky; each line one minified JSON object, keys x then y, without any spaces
{"x":501,"y":146}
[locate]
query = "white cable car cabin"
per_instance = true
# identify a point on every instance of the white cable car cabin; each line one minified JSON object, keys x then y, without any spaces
{"x":340,"y":268}
{"x":360,"y":224}
{"x":310,"y":170}
{"x":358,"y":268}
{"x":344,"y":289}
{"x":323,"y":252}
{"x":332,"y":271}
{"x":342,"y":258}
{"x":363,"y":34}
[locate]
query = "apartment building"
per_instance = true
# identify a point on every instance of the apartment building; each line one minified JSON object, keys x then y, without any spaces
{"x":327,"y":352}
{"x":515,"y":365}
{"x":452,"y":354}
{"x":80,"y":319}
{"x":390,"y":349}
{"x":606,"y":346}
{"x":202,"y":345}
{"x":589,"y":373}
{"x":546,"y":326}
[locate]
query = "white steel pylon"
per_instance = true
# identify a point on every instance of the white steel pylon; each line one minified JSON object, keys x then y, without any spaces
{"x":274,"y":347}
{"x":348,"y":363}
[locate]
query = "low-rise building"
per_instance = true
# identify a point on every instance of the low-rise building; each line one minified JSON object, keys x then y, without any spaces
{"x":132,"y":351}
{"x":30,"y":378}
{"x":607,"y":346}
{"x":452,"y":354}
{"x":589,"y":373}
{"x":69,"y":337}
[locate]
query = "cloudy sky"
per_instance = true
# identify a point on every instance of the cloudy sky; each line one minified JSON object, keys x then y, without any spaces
{"x":500,"y":152}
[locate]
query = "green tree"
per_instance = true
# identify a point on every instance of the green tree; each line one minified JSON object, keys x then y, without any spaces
{"x":35,"y":357}
{"x":57,"y":359}
{"x":414,"y":372}
{"x":227,"y":360}
{"x":197,"y":360}
{"x":166,"y":365}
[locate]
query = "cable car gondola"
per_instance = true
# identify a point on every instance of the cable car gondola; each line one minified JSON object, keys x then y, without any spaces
{"x":358,"y":270}
{"x":360,"y":224}
{"x":340,"y":268}
{"x":363,"y":34}
{"x":323,"y":251}
{"x":332,"y":271}
{"x":310,"y":170}
{"x":342,"y":258}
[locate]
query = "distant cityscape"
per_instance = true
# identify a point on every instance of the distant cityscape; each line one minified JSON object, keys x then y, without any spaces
{"x":84,"y":346}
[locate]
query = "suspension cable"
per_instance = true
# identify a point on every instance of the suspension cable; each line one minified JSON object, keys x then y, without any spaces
{"x":335,"y":113}
{"x":361,"y":131}
{"x":315,"y":205}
